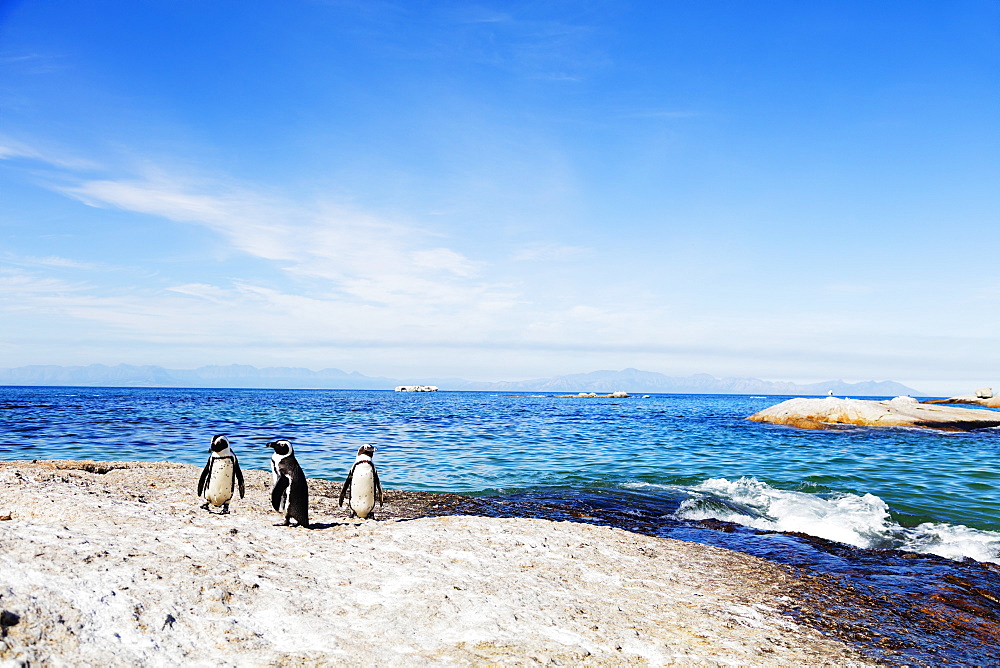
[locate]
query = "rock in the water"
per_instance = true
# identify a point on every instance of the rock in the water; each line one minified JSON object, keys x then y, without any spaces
{"x":899,"y":412}
{"x":982,"y":397}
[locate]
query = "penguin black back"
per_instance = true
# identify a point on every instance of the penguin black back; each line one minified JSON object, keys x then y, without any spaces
{"x":290,"y":490}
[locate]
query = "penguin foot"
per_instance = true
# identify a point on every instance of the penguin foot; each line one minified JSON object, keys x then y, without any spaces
{"x":225,"y":510}
{"x":204,"y":506}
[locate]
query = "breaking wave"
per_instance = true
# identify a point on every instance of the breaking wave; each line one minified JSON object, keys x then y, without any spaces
{"x":862,"y":521}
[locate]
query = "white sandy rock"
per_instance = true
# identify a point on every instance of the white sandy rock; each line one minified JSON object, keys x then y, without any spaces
{"x":898,"y":412}
{"x":124,"y":569}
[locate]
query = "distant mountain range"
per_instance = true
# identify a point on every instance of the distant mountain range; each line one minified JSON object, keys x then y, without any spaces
{"x":238,"y":376}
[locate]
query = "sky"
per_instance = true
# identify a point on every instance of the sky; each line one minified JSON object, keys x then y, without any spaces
{"x":785,"y":190}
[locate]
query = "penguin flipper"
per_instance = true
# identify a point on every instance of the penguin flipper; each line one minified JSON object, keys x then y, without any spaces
{"x":378,"y":487}
{"x":280,"y":485}
{"x":203,"y":480}
{"x":239,"y":476}
{"x":346,"y":489}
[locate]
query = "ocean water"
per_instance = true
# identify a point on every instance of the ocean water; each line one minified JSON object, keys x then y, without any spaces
{"x":694,"y":456}
{"x":853,"y":501}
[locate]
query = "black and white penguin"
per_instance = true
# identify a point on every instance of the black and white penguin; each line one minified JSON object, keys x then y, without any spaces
{"x":220,"y":475}
{"x":362,"y":486}
{"x":290,"y":491}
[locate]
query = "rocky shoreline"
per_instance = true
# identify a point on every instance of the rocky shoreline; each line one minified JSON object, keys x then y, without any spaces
{"x":113,"y":563}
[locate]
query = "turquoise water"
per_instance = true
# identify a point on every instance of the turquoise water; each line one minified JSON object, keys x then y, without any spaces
{"x":692,"y":456}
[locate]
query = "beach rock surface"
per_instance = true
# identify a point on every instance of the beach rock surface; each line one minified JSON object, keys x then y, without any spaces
{"x":899,"y":412}
{"x":115,"y":564}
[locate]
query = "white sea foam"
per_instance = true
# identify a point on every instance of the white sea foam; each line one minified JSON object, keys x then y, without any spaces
{"x":863,"y":521}
{"x":953,"y":542}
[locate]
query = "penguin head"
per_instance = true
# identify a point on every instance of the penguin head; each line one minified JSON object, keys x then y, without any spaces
{"x":367,"y":449}
{"x":219,"y":443}
{"x":281,"y":446}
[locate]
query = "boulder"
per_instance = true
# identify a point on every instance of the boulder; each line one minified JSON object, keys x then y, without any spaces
{"x":982,"y":397}
{"x":830,"y":412}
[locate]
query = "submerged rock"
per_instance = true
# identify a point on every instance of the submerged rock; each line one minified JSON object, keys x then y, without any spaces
{"x":829,"y":412}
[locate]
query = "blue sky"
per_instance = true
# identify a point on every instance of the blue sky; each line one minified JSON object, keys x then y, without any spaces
{"x":786,"y":190}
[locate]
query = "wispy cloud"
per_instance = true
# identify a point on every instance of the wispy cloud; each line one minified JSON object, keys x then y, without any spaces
{"x":443,"y":259}
{"x":53,"y":261}
{"x":547,"y":252}
{"x":33,"y":63}
{"x":533,"y":47}
{"x":21,"y":287}
{"x":11,"y":149}
{"x":481,"y":15}
{"x":348,"y":276}
{"x":350,"y":253}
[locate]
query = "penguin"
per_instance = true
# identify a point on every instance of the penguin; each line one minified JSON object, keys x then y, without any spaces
{"x":290,"y":491}
{"x":220,"y":475}
{"x":362,"y":486}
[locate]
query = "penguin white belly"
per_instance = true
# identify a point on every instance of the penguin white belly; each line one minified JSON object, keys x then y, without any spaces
{"x":220,"y":482}
{"x":363,"y":490}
